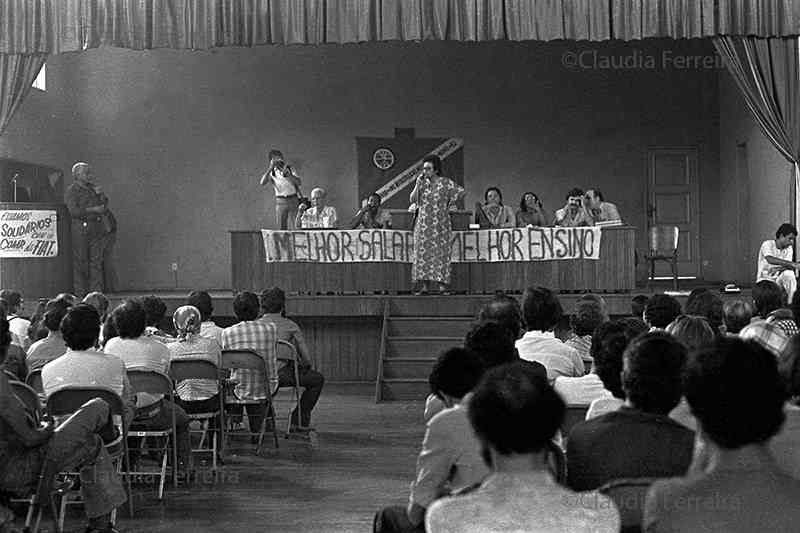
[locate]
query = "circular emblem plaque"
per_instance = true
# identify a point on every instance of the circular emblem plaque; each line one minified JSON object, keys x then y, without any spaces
{"x":383,"y":158}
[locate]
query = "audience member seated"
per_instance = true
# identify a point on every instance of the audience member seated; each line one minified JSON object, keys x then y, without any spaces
{"x":609,"y":338}
{"x":694,"y":332}
{"x":505,"y":310}
{"x":208,"y":328}
{"x":768,"y":335}
{"x":36,"y":330}
{"x":660,"y":311}
{"x":639,"y":439}
{"x":542,"y":310}
{"x":638,"y":304}
{"x":155,"y":309}
{"x":492,"y":214}
{"x":776,"y":260}
{"x":99,"y":301}
{"x":572,"y":214}
{"x":587,"y":316}
{"x":251,"y":334}
{"x":17,"y":324}
{"x":83,"y":365}
{"x":770,"y":303}
{"x":28,"y":450}
{"x":450,"y":459}
{"x":319,"y":215}
{"x":736,"y":314}
{"x":735,"y":484}
{"x":371,"y":216}
{"x":531,"y":212}
{"x":53,"y":346}
{"x":612,"y":340}
{"x":515,"y":414}
{"x":273,"y":307}
{"x":194,"y":395}
{"x":139,"y":352}
{"x":14,"y":361}
{"x":597,"y":210}
{"x":786,"y":444}
{"x":709,"y":306}
{"x":563,"y":329}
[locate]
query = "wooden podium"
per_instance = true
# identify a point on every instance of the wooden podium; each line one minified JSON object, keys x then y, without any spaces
{"x":40,"y":277}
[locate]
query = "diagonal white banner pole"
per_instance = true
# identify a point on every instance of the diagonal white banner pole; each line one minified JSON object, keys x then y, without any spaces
{"x":403,"y":179}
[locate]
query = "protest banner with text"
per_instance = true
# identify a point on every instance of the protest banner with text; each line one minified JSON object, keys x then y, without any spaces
{"x":28,"y":234}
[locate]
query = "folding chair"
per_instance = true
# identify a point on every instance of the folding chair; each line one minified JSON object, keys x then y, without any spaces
{"x":65,"y":402}
{"x":557,"y":462}
{"x":250,"y":360}
{"x":182,"y":369}
{"x":156,"y":383}
{"x":629,"y":496}
{"x":29,"y":397}
{"x":34,"y":380}
{"x":288,"y":353}
{"x":574,"y":414}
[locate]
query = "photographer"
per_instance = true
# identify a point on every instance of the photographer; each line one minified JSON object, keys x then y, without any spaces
{"x":371,"y":216}
{"x":573,"y":213}
{"x":287,"y":188}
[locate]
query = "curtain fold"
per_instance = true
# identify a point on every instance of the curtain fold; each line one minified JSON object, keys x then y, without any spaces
{"x":768,"y":75}
{"x":17,"y":72}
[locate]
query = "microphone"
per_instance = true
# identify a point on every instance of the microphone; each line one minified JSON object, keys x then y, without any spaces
{"x":15,"y":177}
{"x":14,"y":181}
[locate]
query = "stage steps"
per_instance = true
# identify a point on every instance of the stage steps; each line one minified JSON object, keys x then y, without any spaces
{"x":409,"y":348}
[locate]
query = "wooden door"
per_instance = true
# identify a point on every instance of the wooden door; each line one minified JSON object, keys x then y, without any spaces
{"x":672,"y":200}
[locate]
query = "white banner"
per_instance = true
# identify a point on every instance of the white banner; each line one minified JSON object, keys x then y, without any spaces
{"x":497,"y":245}
{"x":403,"y":179}
{"x":28,"y":234}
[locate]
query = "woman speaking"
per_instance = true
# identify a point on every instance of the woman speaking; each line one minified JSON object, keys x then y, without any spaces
{"x":433,"y":194}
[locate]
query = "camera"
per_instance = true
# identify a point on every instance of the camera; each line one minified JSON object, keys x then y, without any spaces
{"x":280,"y":164}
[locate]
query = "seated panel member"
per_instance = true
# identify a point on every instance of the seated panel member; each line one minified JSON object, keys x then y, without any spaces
{"x":572,"y":214}
{"x":319,"y":215}
{"x":371,"y":216}
{"x":531,"y":212}
{"x":597,"y":210}
{"x":492,"y":214}
{"x":775,"y":260}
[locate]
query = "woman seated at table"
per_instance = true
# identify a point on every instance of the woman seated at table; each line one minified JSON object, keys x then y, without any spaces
{"x":492,"y":214}
{"x":531,"y":212}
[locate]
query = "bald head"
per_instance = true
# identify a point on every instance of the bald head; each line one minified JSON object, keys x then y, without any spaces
{"x":80,"y":171}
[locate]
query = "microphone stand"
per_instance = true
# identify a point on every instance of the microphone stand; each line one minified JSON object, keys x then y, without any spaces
{"x":14,"y":181}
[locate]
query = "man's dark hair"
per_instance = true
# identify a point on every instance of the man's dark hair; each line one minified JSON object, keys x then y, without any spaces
{"x":737,"y":314}
{"x":514,"y":410}
{"x":541,"y":309}
{"x":785,"y":229}
{"x":715,"y":379}
{"x":154,"y":310}
{"x":506,"y":310}
{"x":588,"y":315}
{"x":434,"y":160}
{"x":202,"y":301}
{"x":608,"y":344}
{"x":274,"y":153}
{"x":767,"y":297}
{"x":660,"y":310}
{"x":651,"y":378}
{"x":693,"y":331}
{"x":598,"y":194}
{"x":575,"y":191}
{"x":246,"y":306}
{"x":129,"y":319}
{"x":5,"y":338}
{"x":638,"y":304}
{"x":54,"y":314}
{"x":273,"y":300}
{"x":12,"y":298}
{"x":80,"y":327}
{"x":492,"y":342}
{"x":455,"y":373}
{"x":709,"y":306}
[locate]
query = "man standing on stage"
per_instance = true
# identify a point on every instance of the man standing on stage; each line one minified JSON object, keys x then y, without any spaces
{"x":287,"y":188}
{"x":93,"y":230}
{"x":776,"y":260}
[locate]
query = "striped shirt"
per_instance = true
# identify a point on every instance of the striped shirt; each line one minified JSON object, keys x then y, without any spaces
{"x":196,"y":348}
{"x":210,"y":330}
{"x":261,"y":338}
{"x":141,"y":353}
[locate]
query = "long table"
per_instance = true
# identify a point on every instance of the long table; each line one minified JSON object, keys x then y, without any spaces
{"x":613,"y":271}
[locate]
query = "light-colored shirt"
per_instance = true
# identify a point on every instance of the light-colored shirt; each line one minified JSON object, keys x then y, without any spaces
{"x":314,"y":217}
{"x":210,"y":330}
{"x":286,"y":330}
{"x":582,"y":345}
{"x":142,"y":353}
{"x":195,"y":347}
{"x":570,"y":218}
{"x":523,"y":502}
{"x":605,"y":213}
{"x":45,"y":350}
{"x":604,"y":405}
{"x":558,"y":358}
{"x":766,"y":270}
{"x":19,"y":331}
{"x":785,"y":446}
{"x":582,"y":390}
{"x":281,"y":183}
{"x":450,"y":458}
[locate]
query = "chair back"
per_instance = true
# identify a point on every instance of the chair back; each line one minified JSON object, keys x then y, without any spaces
{"x":286,"y":351}
{"x":628,"y":495}
{"x":68,"y":400}
{"x":243,"y":360}
{"x":34,"y":380}
{"x":181,"y":369}
{"x":557,"y":461}
{"x":29,"y":397}
{"x":574,"y":414}
{"x":150,"y":381}
{"x":663,"y":240}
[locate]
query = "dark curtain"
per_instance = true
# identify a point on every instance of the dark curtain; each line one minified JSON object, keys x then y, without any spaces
{"x":17,"y":72}
{"x":54,"y":26}
{"x":768,"y":74}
